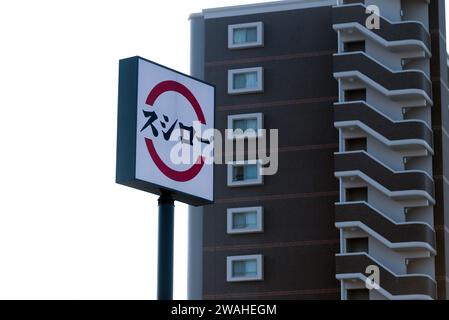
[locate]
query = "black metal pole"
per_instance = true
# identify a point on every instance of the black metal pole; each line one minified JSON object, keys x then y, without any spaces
{"x":165,"y":246}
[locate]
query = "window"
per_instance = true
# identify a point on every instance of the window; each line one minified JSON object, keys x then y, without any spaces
{"x":354,"y":46}
{"x":245,"y":35}
{"x":245,"y":220}
{"x":356,"y":144}
{"x":353,"y":1}
{"x":244,"y":268}
{"x":355,"y":95}
{"x":356,"y":194}
{"x":358,"y":294}
{"x":354,"y":245}
{"x":244,"y":173}
{"x":245,"y":80}
{"x":247,"y":125}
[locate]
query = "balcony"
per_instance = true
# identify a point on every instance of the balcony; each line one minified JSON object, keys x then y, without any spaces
{"x":399,"y":36}
{"x":411,"y":184}
{"x":404,"y":84}
{"x":412,"y":286}
{"x":396,"y":134}
{"x":399,"y":236}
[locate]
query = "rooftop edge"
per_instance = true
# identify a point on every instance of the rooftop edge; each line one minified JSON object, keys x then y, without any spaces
{"x":257,"y":8}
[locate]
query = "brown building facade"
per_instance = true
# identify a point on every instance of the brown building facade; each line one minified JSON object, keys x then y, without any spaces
{"x":363,"y":179}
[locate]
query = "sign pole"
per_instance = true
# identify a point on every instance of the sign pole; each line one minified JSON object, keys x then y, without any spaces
{"x":165,"y":246}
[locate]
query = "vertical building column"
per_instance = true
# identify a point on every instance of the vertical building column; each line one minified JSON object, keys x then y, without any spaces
{"x":195,"y":254}
{"x":375,"y":69}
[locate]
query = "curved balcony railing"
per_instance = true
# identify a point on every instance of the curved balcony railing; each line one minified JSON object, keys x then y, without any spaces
{"x":400,"y":235}
{"x":399,"y":132}
{"x":385,"y":77}
{"x":404,"y":183}
{"x":414,"y":286}
{"x":403,"y":32}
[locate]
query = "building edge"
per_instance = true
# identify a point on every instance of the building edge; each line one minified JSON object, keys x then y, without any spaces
{"x":195,"y":224}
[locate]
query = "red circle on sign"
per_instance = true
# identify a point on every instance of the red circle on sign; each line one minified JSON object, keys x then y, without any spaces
{"x":158,"y":90}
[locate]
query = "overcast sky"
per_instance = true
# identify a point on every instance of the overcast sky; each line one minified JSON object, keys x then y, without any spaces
{"x":67,"y":231}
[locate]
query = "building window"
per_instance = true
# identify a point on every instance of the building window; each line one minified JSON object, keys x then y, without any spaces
{"x":354,"y":245}
{"x":356,"y":144}
{"x":353,"y":1}
{"x":244,"y":268}
{"x":245,"y":35}
{"x":245,"y":80}
{"x":355,"y":95}
{"x":245,"y":220}
{"x":357,"y":294}
{"x":244,"y":173}
{"x":245,"y":125}
{"x":357,"y":194}
{"x":354,"y":46}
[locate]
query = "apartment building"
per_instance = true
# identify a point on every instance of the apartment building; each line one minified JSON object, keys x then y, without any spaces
{"x":362,"y":191}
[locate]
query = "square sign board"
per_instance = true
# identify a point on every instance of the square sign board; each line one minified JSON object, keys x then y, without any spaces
{"x":165,"y":132}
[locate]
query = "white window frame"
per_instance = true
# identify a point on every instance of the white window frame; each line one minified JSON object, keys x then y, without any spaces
{"x":260,"y":35}
{"x":260,"y":78}
{"x":231,"y":259}
{"x":230,"y":220}
{"x":246,"y":134}
{"x":254,"y":182}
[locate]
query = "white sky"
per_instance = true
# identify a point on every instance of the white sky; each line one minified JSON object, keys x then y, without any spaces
{"x":67,"y":231}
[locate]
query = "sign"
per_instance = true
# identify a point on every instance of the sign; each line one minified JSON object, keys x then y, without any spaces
{"x":165,"y":132}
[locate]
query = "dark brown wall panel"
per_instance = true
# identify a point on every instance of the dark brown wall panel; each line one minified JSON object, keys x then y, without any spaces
{"x":295,"y":31}
{"x":300,"y":240}
{"x":306,"y":268}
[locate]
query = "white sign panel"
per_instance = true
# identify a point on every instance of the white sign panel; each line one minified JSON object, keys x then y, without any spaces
{"x":174,"y":131}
